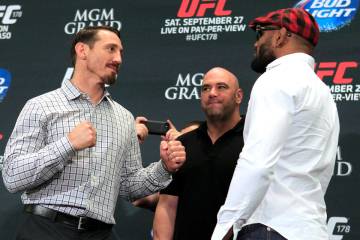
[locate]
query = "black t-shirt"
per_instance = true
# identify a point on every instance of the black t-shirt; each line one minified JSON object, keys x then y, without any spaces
{"x":203,"y":181}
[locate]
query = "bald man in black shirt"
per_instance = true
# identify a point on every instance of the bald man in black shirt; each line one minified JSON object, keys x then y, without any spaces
{"x":188,"y":207}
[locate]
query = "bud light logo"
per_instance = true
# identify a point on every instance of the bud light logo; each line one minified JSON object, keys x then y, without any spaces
{"x":331,"y":15}
{"x":5,"y":79}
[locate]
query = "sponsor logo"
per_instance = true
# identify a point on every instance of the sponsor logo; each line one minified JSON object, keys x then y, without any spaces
{"x":5,"y":79}
{"x":192,"y":23}
{"x":192,"y":8}
{"x":331,"y":15}
{"x":92,"y":17}
{"x":187,"y":87}
{"x":342,"y":168}
{"x":339,"y":77}
{"x":338,"y":227}
{"x":8,"y":16}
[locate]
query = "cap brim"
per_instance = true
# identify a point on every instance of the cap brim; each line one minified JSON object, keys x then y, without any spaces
{"x":260,"y":21}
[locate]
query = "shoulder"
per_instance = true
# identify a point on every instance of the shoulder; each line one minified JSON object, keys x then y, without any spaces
{"x":48,"y":97}
{"x":40,"y":102}
{"x":188,"y":137}
{"x":287,"y":80}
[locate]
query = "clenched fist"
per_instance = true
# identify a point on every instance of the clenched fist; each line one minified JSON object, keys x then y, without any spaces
{"x":172,"y":154}
{"x":82,"y":136}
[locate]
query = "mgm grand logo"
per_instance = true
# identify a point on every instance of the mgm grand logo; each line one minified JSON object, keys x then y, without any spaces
{"x":187,"y":87}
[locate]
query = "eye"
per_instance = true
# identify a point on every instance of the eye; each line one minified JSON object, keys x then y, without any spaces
{"x":222,"y":87}
{"x":111,"y":49}
{"x":259,"y":34}
{"x":205,"y":88}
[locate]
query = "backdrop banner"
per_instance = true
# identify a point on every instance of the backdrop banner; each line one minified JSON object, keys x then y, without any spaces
{"x":168,"y":46}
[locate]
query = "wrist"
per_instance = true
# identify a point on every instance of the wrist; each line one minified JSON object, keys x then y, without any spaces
{"x":165,"y":167}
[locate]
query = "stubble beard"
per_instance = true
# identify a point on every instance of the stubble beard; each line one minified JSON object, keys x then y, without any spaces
{"x":220,"y":114}
{"x":110,"y":80}
{"x":262,"y":59}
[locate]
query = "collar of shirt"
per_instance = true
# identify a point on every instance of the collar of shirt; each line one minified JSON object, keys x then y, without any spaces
{"x":303,"y":57}
{"x":72,"y":92}
{"x":238,"y":127}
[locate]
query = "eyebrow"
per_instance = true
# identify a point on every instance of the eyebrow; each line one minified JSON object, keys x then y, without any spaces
{"x":113,"y":45}
{"x":216,"y":84}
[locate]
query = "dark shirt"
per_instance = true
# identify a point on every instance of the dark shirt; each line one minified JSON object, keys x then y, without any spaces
{"x":202,"y":183}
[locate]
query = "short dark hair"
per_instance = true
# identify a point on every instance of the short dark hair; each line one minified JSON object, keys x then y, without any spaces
{"x":88,"y":36}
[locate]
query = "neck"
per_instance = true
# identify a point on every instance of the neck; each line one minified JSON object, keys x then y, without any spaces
{"x":290,"y":49}
{"x":217,"y":128}
{"x":90,"y":85}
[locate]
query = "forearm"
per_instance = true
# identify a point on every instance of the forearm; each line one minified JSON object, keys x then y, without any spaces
{"x":136,"y":181}
{"x":164,"y":219}
{"x":146,"y":181}
{"x":25,"y":170}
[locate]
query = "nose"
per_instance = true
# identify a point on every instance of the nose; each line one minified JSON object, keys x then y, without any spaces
{"x":213,"y":92}
{"x":118,"y":58}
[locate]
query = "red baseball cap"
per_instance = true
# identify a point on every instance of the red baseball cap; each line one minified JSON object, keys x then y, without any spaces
{"x":295,"y":20}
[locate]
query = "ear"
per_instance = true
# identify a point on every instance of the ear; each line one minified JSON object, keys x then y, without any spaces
{"x":81,"y":50}
{"x":239,"y":96}
{"x":280,"y":38}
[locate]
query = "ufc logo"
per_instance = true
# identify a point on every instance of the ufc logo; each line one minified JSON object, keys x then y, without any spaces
{"x":9,"y":14}
{"x":338,"y":227}
{"x":198,"y":8}
{"x":335,"y":70}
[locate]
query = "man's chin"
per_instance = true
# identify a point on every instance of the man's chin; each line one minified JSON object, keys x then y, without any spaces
{"x":258,"y":66}
{"x":111,"y":80}
{"x":215,"y":115}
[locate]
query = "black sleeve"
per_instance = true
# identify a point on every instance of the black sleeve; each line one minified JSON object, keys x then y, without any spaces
{"x":173,"y":187}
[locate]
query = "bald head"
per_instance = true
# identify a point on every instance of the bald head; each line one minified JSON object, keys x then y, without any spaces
{"x":222,"y":73}
{"x":221,"y":95}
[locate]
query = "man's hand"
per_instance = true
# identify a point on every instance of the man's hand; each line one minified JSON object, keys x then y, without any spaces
{"x":172,"y":133}
{"x":141,"y":130}
{"x":82,"y":136}
{"x":172,"y":154}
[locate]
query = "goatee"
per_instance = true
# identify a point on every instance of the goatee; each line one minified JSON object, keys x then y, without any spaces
{"x":111,"y":80}
{"x":262,"y":59}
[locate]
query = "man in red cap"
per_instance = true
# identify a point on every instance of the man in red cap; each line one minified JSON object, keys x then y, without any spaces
{"x":290,"y":135}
